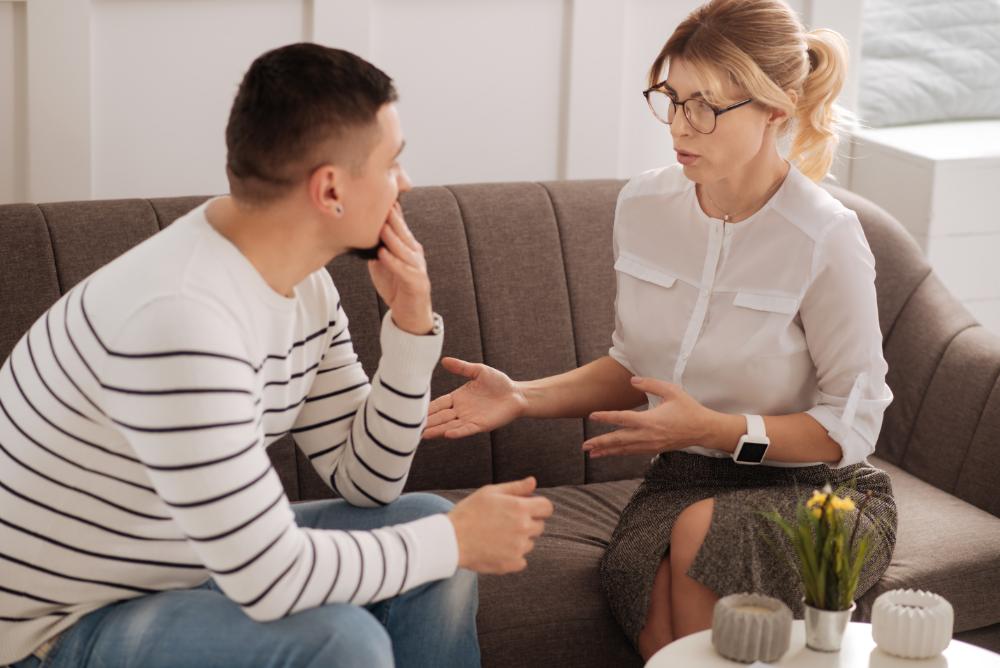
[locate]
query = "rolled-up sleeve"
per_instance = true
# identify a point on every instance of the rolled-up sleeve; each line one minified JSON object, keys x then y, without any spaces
{"x":839,"y":315}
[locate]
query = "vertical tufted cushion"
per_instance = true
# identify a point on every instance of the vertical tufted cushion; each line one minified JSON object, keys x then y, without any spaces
{"x":524,"y":317}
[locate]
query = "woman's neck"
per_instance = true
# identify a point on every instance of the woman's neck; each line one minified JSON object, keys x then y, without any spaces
{"x":738,"y":196}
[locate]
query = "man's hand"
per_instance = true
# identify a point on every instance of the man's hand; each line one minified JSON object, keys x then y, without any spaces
{"x":497,"y":525}
{"x":400,"y":276}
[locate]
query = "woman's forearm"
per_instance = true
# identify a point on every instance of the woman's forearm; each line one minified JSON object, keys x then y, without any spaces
{"x":794,"y":438}
{"x":601,"y":385}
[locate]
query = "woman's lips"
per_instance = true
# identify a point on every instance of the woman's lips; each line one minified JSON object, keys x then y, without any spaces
{"x":686,"y":158}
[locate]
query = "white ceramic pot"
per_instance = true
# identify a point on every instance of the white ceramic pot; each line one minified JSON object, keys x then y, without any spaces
{"x":912,"y":624}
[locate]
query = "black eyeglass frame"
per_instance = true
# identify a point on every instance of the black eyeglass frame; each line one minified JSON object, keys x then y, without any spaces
{"x":659,"y":88}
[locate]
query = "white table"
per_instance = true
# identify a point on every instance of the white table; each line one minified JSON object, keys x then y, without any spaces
{"x":857,"y":651}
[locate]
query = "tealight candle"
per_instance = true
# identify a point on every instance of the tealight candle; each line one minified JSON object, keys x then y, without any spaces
{"x":751,"y":627}
{"x":912,"y":624}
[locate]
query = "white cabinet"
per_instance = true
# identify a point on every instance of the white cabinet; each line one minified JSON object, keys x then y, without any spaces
{"x":942,"y":181}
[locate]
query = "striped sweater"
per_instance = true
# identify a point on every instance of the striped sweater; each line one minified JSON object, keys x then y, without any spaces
{"x":134,"y":417}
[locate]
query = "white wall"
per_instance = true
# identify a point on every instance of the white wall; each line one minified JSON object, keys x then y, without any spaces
{"x":129,"y":98}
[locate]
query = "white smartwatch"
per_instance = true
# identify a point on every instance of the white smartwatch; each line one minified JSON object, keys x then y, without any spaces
{"x":753,"y":444}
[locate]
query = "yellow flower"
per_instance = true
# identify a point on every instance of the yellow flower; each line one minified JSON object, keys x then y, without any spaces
{"x":842,"y":503}
{"x":818,"y":499}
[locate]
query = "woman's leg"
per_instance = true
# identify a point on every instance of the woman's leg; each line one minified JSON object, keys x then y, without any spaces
{"x":691,"y":603}
{"x":658,"y":630}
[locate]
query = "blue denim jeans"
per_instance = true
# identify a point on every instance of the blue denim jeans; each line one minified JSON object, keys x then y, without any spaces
{"x":431,"y":625}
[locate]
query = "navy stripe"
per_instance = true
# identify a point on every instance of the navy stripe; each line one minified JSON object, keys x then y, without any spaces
{"x":136,"y":485}
{"x":312,"y":568}
{"x":370,"y":468}
{"x":24,"y":395}
{"x":327,"y":450}
{"x":220,"y":497}
{"x":99,"y":555}
{"x":100,"y":499}
{"x":336,"y":392}
{"x":82,"y":520}
{"x":25,"y":594}
{"x":38,"y":372}
{"x":201,"y":464}
{"x":400,"y":423}
{"x":406,"y":560}
{"x":52,"y":345}
{"x":398,"y":453}
{"x":336,"y":574}
{"x":267,"y":590}
{"x":381,"y":549}
{"x":400,"y":392}
{"x":116,"y":585}
{"x":230,"y":532}
{"x":251,"y":560}
{"x":361,"y":562}
{"x":324,"y":423}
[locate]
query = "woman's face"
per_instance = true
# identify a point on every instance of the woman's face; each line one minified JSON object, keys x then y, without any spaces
{"x":740,"y":135}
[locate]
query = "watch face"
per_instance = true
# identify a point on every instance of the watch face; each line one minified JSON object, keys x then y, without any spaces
{"x":751,"y":452}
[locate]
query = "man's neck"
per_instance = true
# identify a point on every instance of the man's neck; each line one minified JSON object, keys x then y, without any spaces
{"x":272,"y":239}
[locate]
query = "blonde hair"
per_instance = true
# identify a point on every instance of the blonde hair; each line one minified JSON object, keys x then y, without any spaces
{"x":765,"y":50}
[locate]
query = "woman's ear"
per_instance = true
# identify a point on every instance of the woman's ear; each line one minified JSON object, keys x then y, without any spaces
{"x":778,"y":116}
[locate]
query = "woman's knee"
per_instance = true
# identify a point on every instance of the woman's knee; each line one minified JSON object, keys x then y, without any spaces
{"x":690,"y":528}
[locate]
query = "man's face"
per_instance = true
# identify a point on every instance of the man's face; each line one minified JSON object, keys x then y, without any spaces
{"x":373,"y":191}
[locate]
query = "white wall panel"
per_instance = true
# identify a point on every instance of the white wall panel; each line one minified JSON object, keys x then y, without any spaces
{"x":164,"y":77}
{"x":129,"y":98}
{"x":479,"y":84}
{"x":13,"y":101}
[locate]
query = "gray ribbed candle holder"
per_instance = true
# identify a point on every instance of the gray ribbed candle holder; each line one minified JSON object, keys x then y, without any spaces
{"x":751,"y":627}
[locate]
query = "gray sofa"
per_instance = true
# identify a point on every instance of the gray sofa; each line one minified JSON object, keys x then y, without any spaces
{"x":522,"y":274}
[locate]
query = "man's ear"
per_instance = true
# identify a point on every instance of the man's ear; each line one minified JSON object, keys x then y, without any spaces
{"x":326,"y":185}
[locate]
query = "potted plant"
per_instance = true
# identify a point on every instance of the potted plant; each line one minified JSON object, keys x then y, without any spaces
{"x":830,"y":556}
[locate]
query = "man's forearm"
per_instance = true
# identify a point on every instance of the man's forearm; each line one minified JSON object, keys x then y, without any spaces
{"x":601,"y":385}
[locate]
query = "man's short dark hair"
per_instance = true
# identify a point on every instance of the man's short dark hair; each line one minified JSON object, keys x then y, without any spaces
{"x":297,"y":108}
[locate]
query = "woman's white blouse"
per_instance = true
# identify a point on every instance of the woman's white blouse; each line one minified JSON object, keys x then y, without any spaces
{"x":772,"y":315}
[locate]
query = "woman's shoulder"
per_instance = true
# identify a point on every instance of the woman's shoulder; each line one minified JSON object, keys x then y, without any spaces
{"x":810,"y":207}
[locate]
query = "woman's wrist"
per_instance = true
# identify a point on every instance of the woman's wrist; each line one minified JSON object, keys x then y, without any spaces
{"x":526,"y":396}
{"x":724,"y":431}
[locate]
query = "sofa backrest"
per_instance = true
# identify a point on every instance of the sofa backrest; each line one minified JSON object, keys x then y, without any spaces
{"x":522,"y":274}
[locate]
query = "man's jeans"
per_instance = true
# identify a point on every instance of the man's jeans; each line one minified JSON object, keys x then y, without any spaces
{"x":431,"y":625}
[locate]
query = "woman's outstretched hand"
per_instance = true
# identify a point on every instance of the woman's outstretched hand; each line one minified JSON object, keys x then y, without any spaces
{"x":488,"y":401}
{"x":679,"y":422}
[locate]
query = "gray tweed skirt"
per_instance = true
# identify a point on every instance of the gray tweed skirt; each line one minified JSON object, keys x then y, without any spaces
{"x":738,"y":554}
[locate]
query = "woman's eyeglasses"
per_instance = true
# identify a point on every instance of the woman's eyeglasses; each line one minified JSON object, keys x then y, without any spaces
{"x":700,"y":115}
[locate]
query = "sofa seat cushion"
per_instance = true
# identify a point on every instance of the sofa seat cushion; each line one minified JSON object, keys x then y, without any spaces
{"x":943,"y":545}
{"x":555,"y":611}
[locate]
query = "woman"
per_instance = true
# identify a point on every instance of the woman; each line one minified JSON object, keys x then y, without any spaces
{"x":744,"y":290}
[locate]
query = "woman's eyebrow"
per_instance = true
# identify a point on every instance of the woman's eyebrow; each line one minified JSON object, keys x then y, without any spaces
{"x":670,"y":89}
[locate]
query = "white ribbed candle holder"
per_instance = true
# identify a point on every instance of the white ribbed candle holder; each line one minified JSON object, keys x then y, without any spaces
{"x":751,"y":627}
{"x":912,"y":624}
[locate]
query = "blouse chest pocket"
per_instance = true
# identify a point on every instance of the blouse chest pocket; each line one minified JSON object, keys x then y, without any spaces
{"x":787,"y":305}
{"x":640,"y":269}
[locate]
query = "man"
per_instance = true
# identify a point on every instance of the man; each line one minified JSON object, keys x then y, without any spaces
{"x":141,"y":522}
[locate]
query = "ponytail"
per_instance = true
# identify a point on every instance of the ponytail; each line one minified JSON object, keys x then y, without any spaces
{"x":818,"y":120}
